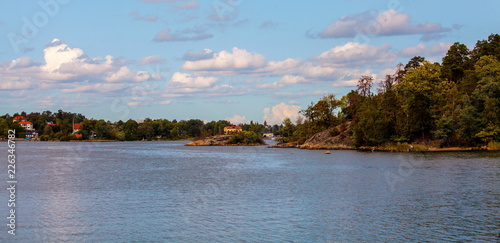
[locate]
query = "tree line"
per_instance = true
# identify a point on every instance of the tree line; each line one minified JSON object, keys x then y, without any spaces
{"x":455,"y":102}
{"x":59,"y":126}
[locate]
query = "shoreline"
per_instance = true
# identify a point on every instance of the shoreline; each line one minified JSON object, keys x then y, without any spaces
{"x":405,"y":149}
{"x":292,"y":145}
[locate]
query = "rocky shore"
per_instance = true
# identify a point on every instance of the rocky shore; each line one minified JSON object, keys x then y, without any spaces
{"x":338,"y":138}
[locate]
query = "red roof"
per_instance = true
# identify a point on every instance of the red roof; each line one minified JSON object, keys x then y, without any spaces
{"x":233,"y":127}
{"x":77,"y":126}
{"x":19,"y":118}
{"x":25,"y":122}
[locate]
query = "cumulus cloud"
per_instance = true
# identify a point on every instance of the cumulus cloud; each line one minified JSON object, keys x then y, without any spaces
{"x":155,"y":59}
{"x":226,"y":61}
{"x":280,"y":67}
{"x":387,"y":23}
{"x":70,"y":70}
{"x":437,"y":49}
{"x":277,"y":113}
{"x":285,"y":80}
{"x":15,"y":85}
{"x":236,"y":119}
{"x":353,"y":54}
{"x":23,"y":62}
{"x":186,"y":80}
{"x":184,"y":35}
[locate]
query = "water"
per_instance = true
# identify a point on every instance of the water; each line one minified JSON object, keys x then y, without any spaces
{"x":166,"y":192}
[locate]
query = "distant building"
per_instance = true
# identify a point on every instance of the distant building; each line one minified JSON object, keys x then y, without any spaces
{"x":31,"y":134}
{"x":76,"y":127}
{"x":266,"y":125}
{"x":19,"y":119}
{"x":268,"y":135}
{"x":50,"y":124}
{"x":141,"y":120}
{"x":232,"y":129}
{"x":28,"y":126}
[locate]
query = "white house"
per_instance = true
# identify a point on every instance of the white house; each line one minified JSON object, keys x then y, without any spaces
{"x":28,"y":126}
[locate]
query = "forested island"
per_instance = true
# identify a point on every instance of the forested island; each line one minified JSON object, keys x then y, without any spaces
{"x":423,"y":105}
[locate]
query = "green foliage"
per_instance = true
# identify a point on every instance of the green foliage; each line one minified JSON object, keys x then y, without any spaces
{"x":246,"y":138}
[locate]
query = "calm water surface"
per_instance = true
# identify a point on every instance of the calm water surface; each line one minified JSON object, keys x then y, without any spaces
{"x":166,"y":192}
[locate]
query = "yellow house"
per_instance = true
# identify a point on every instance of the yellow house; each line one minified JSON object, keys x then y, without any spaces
{"x":232,"y":129}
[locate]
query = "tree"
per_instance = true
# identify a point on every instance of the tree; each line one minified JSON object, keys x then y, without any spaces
{"x":487,"y":47}
{"x":371,"y":127}
{"x":456,"y":62}
{"x":130,"y":129}
{"x":4,"y":127}
{"x":288,"y":127}
{"x":365,"y":85}
{"x":414,"y":63}
{"x":469,"y":122}
{"x":102,"y":130}
{"x":350,"y":104}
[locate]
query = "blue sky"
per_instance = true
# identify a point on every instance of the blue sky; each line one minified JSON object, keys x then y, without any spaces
{"x":238,"y":60}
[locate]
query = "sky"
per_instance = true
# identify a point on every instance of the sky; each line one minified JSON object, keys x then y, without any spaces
{"x":239,"y":60}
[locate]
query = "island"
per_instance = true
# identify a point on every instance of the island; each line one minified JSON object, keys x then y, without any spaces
{"x":237,"y":138}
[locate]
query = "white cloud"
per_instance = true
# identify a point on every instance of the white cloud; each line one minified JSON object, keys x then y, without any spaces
{"x":277,"y":113}
{"x":238,"y":59}
{"x":69,"y":70}
{"x":23,"y":62}
{"x":166,"y":102}
{"x":286,"y":66}
{"x":437,"y":49}
{"x":285,"y":80}
{"x":183,"y":35}
{"x":13,"y":85}
{"x":311,"y":70}
{"x":387,"y":23}
{"x":236,"y":119}
{"x":123,"y":73}
{"x":186,"y":80}
{"x":155,"y":59}
{"x":353,"y":54}
{"x":98,"y":87}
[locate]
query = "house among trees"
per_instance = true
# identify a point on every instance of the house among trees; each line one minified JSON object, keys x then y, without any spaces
{"x":232,"y":129}
{"x":76,"y":127}
{"x":28,"y":126}
{"x":19,"y":119}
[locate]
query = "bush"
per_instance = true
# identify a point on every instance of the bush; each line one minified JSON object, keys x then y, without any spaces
{"x":246,"y":137}
{"x":494,"y":145}
{"x":67,"y":138}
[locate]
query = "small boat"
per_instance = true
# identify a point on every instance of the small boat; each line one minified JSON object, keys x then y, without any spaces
{"x":327,"y":152}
